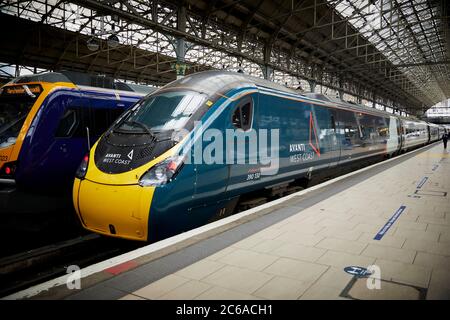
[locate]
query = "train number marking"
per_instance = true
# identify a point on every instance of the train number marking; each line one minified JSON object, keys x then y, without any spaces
{"x":253,"y":176}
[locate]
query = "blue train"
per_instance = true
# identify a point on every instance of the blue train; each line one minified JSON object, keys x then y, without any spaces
{"x":184,"y":155}
{"x":49,"y":120}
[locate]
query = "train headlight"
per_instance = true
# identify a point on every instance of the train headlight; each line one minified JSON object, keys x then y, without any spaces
{"x":82,"y":169}
{"x":162,"y":172}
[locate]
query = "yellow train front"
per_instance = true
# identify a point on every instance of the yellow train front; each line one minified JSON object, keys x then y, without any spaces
{"x":119,"y":204}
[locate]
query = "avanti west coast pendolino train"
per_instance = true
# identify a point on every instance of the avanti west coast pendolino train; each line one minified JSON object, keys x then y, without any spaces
{"x":47,"y":122}
{"x":140,"y":180}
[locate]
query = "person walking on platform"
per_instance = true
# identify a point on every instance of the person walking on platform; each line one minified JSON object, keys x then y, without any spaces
{"x":445,"y":139}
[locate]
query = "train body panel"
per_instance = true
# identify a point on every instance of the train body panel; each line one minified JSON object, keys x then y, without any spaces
{"x":415,"y":133}
{"x":244,"y":137}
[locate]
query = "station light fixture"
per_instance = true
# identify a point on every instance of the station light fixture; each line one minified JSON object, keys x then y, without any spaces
{"x":113,"y":41}
{"x":93,"y":44}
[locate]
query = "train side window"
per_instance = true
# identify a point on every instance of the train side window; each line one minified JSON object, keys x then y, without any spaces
{"x":246,"y":114}
{"x":349,"y":132}
{"x":349,"y":123}
{"x":333,"y":123}
{"x":242,"y":115}
{"x":67,"y":124}
{"x":383,"y":131}
{"x":236,"y":118}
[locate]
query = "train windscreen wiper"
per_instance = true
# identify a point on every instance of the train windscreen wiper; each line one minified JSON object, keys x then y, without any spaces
{"x":133,"y":123}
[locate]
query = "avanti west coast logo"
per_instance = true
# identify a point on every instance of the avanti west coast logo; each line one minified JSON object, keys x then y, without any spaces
{"x":258,"y":147}
{"x":232,"y":146}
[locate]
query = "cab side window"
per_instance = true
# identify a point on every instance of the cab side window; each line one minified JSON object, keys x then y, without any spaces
{"x":236,"y":118}
{"x":73,"y":123}
{"x":242,"y":115}
{"x":68,"y":124}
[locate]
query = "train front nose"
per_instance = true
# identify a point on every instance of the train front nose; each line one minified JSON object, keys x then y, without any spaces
{"x":115,"y":210}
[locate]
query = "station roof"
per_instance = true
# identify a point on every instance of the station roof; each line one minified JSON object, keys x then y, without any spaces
{"x":393,"y":52}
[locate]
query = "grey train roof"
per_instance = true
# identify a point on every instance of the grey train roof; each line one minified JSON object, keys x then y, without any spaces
{"x":83,"y":79}
{"x":217,"y":83}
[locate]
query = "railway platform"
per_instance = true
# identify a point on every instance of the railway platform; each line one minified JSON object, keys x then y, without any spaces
{"x":382,"y":232}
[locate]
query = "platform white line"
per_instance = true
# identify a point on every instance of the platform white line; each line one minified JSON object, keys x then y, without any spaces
{"x":101,"y":266}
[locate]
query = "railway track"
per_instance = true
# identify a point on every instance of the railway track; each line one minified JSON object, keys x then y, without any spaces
{"x":25,"y":269}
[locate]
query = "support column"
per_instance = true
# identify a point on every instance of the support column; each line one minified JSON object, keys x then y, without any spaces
{"x":312,"y":85}
{"x":341,"y":91}
{"x":180,"y":44}
{"x":358,"y":97}
{"x":268,"y":72}
{"x":180,"y":50}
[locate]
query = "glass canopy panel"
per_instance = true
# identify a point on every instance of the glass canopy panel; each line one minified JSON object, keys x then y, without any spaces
{"x":407,"y":32}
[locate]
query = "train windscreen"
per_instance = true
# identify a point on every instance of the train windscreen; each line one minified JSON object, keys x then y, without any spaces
{"x":15,"y":104}
{"x":165,"y":111}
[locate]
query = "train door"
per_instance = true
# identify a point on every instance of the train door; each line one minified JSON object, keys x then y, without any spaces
{"x":81,"y":124}
{"x":406,"y":133}
{"x":393,"y":143}
{"x":70,"y":136}
{"x":50,"y":153}
{"x":215,"y":167}
{"x":242,"y":144}
{"x":349,"y":135}
{"x":326,"y":132}
{"x":400,"y":132}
